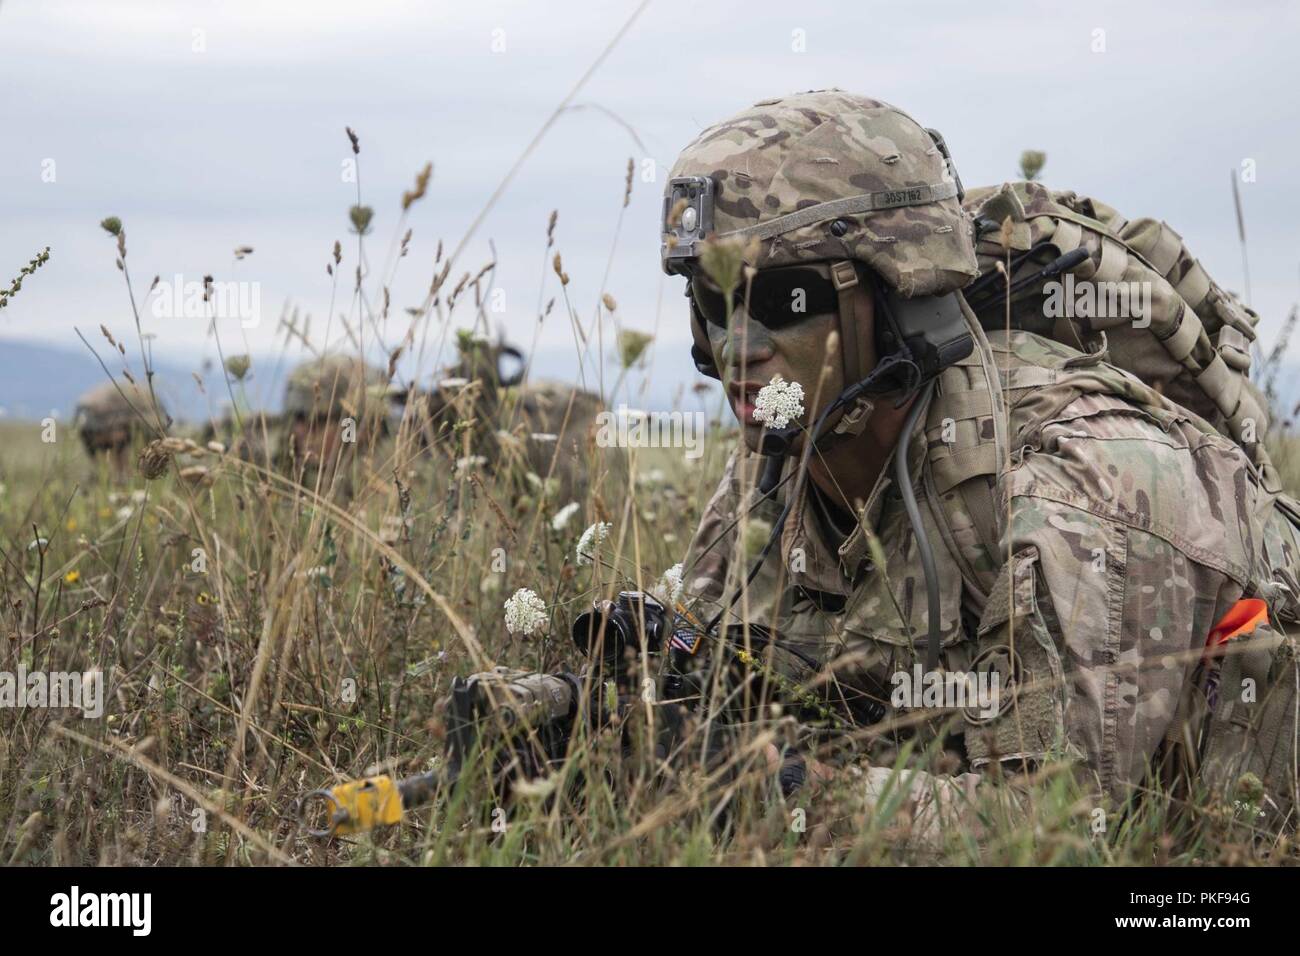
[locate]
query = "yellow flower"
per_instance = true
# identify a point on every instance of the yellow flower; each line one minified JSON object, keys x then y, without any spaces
{"x":73,"y":576}
{"x":206,"y":598}
{"x":71,"y":524}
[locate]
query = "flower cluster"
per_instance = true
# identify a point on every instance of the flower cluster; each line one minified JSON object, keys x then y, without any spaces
{"x":563,"y":516}
{"x":465,"y":465}
{"x":779,"y":402}
{"x":670,"y":585}
{"x":591,"y":540}
{"x":525,"y":612}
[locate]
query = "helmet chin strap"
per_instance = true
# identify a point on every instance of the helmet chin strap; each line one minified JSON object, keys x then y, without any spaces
{"x":845,"y":279}
{"x":849,"y":417}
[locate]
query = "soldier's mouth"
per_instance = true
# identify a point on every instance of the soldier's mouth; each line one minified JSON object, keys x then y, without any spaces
{"x":743,"y":396}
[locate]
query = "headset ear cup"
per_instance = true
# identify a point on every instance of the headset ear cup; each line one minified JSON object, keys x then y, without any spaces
{"x":704,"y":363}
{"x":701,"y":347}
{"x":890,"y":336}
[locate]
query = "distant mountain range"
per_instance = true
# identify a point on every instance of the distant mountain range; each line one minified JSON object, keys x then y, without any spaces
{"x":38,"y":380}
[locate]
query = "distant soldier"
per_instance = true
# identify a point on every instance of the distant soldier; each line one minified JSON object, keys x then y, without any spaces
{"x":557,"y":422}
{"x":331,"y":404}
{"x":112,"y":416}
{"x":474,"y":386}
{"x":539,"y":428}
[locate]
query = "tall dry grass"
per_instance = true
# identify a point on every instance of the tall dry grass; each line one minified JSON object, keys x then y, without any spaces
{"x":316,"y":637}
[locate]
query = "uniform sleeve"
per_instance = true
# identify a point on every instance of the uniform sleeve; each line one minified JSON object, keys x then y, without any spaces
{"x":704,"y":571}
{"x":1128,"y":538}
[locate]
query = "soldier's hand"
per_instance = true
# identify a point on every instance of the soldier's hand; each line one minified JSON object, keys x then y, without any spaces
{"x":797,"y":771}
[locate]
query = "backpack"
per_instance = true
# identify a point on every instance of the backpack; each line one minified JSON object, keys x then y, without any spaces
{"x":1189,"y":343}
{"x":1139,"y":294}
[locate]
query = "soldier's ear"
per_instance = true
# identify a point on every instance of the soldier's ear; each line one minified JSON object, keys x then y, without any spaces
{"x":701,"y":347}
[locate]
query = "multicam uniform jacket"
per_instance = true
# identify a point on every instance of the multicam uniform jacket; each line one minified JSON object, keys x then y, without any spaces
{"x":1133,"y":528}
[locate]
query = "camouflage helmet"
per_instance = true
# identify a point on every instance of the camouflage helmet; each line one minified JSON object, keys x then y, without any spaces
{"x":332,"y":385}
{"x":114,"y":405}
{"x":828,"y":175}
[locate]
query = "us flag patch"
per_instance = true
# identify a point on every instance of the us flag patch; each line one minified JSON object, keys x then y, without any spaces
{"x":686,"y":640}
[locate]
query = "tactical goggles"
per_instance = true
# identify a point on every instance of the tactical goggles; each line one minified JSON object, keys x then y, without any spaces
{"x":775,"y":298}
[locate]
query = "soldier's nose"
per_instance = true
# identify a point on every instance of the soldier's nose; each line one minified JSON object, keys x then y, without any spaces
{"x":750,"y":358}
{"x":749,"y":344}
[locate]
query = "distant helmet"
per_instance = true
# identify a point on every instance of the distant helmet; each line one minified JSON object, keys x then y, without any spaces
{"x":332,"y":385}
{"x":112,"y":406}
{"x":829,"y":175}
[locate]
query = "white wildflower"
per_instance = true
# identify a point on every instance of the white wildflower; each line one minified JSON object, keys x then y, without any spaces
{"x":508,"y":439}
{"x":125,"y":512}
{"x":591,"y":539}
{"x":464,"y":465}
{"x":538,"y":788}
{"x":564,"y":515}
{"x":670,"y":585}
{"x":525,"y":612}
{"x":545,"y":487}
{"x":779,"y":402}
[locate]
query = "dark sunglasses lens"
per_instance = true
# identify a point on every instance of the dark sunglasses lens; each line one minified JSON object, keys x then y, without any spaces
{"x":710,"y":303}
{"x":775,"y":299}
{"x":786,"y":296}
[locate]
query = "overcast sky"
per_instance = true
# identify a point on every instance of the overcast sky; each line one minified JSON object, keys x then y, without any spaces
{"x":211,"y":125}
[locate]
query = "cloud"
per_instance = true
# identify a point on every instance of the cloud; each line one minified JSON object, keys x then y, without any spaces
{"x":234,"y":136}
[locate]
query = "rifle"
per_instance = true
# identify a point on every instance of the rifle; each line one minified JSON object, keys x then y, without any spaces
{"x":525,"y":720}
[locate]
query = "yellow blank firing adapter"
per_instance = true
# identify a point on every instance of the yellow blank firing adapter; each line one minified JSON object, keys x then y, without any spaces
{"x":359,"y":805}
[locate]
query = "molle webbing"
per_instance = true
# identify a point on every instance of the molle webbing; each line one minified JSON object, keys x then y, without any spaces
{"x":962,"y":469}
